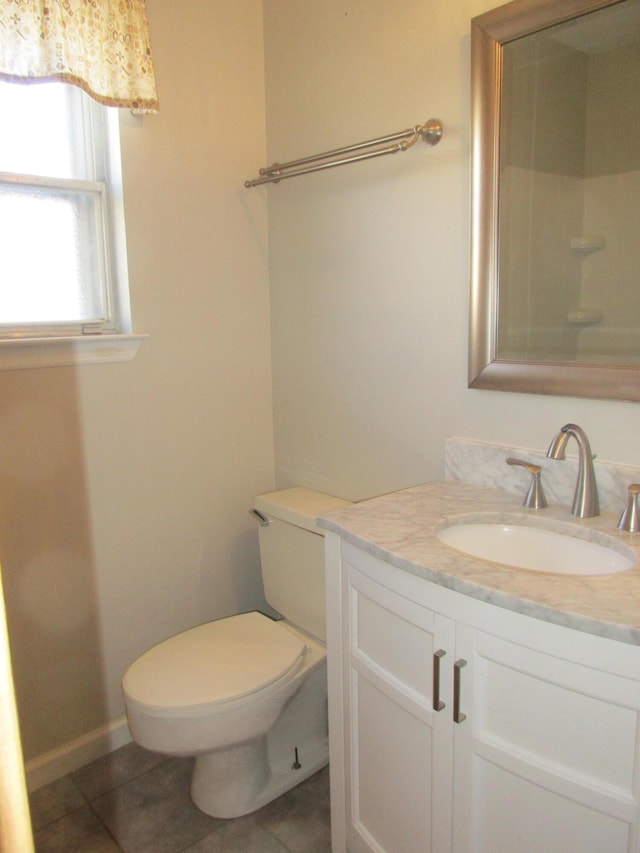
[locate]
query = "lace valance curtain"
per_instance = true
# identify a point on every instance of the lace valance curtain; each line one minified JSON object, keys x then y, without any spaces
{"x":100,"y":45}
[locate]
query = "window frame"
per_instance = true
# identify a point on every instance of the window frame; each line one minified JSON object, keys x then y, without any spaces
{"x":109,"y":337}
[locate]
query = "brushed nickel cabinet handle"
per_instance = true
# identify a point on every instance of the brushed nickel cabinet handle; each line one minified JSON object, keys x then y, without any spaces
{"x":458,"y":716}
{"x":438,"y":704}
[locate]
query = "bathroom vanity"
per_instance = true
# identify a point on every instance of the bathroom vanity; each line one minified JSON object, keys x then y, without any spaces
{"x":474,"y":706}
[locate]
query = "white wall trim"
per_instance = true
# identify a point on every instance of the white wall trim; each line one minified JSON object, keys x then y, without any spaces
{"x":64,"y":759}
{"x":25,"y":353}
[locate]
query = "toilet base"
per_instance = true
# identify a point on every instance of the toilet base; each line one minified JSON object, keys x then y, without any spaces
{"x":227,"y":786}
{"x":233,"y":782}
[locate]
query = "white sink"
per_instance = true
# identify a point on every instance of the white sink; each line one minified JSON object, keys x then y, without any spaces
{"x":536,"y":548}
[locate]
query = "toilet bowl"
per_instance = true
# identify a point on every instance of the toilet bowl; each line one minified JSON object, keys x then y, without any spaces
{"x":247,"y":695}
{"x":216,"y":692}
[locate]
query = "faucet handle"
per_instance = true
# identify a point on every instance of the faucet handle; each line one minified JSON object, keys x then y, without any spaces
{"x":535,"y":497}
{"x":630,"y":518}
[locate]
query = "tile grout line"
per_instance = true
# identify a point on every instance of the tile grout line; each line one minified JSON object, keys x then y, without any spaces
{"x":105,"y":827}
{"x":120,"y":784}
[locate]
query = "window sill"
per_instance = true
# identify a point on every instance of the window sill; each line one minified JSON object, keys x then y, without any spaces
{"x":23,"y":353}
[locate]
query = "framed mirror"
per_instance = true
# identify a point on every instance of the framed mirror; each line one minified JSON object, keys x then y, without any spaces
{"x":555,"y":236}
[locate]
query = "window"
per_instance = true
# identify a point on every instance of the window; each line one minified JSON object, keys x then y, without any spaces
{"x":63,"y":273}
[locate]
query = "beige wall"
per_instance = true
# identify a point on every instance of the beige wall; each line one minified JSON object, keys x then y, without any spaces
{"x":369,"y":262}
{"x":614,"y":78}
{"x":544,"y":112}
{"x":124,"y":488}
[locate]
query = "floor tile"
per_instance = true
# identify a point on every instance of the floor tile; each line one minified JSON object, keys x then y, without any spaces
{"x":240,"y":835}
{"x":154,"y":813}
{"x":53,"y":801}
{"x":114,"y":769}
{"x":140,"y":803}
{"x":300,"y":819}
{"x":78,"y":832}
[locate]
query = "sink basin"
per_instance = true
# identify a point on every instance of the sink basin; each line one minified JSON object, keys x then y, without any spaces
{"x":536,"y":548}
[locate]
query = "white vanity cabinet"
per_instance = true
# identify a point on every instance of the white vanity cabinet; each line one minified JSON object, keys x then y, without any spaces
{"x":536,"y":749}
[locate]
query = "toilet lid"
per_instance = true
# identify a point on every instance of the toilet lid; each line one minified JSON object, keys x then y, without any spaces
{"x":214,"y":662}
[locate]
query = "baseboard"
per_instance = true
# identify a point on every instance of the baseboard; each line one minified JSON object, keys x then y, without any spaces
{"x":58,"y":762}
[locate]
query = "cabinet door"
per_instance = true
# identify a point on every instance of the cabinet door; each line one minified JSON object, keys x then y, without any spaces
{"x":546,"y":759}
{"x":398,"y":746}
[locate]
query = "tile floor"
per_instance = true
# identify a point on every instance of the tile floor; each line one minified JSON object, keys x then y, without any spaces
{"x":134,"y":801}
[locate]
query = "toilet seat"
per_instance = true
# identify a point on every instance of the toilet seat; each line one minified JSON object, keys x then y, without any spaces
{"x":214,"y":663}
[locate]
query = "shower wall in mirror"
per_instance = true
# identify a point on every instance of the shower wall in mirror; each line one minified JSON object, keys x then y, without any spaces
{"x":570,"y":191}
{"x":556,"y":285}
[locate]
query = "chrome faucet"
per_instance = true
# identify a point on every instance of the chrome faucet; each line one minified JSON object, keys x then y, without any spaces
{"x":585,"y":499}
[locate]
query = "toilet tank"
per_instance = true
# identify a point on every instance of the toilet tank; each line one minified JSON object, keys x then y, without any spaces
{"x":292,"y":555}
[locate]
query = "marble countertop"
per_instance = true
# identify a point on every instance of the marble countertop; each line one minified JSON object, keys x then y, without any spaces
{"x":400,"y":528}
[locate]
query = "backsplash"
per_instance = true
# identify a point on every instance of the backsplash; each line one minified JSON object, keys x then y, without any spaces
{"x":483,"y":464}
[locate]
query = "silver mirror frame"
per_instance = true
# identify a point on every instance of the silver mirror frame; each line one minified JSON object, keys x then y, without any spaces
{"x":489,"y":32}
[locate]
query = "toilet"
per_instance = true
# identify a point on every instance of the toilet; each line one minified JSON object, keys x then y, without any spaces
{"x":246,"y":695}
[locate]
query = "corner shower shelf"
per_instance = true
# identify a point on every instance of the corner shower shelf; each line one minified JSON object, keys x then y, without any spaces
{"x":583,"y":246}
{"x":585,"y":316}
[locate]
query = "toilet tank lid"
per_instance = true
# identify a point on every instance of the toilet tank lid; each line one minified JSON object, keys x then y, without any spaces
{"x":299,"y":506}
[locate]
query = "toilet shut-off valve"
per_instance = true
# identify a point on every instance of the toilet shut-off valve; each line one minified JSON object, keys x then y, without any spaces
{"x":630,"y":518}
{"x":535,"y":497}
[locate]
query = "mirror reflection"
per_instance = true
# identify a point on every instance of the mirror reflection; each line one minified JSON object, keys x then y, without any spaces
{"x":569,"y":188}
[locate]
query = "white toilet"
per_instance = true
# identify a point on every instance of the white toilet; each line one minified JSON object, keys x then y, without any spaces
{"x":247,"y":695}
